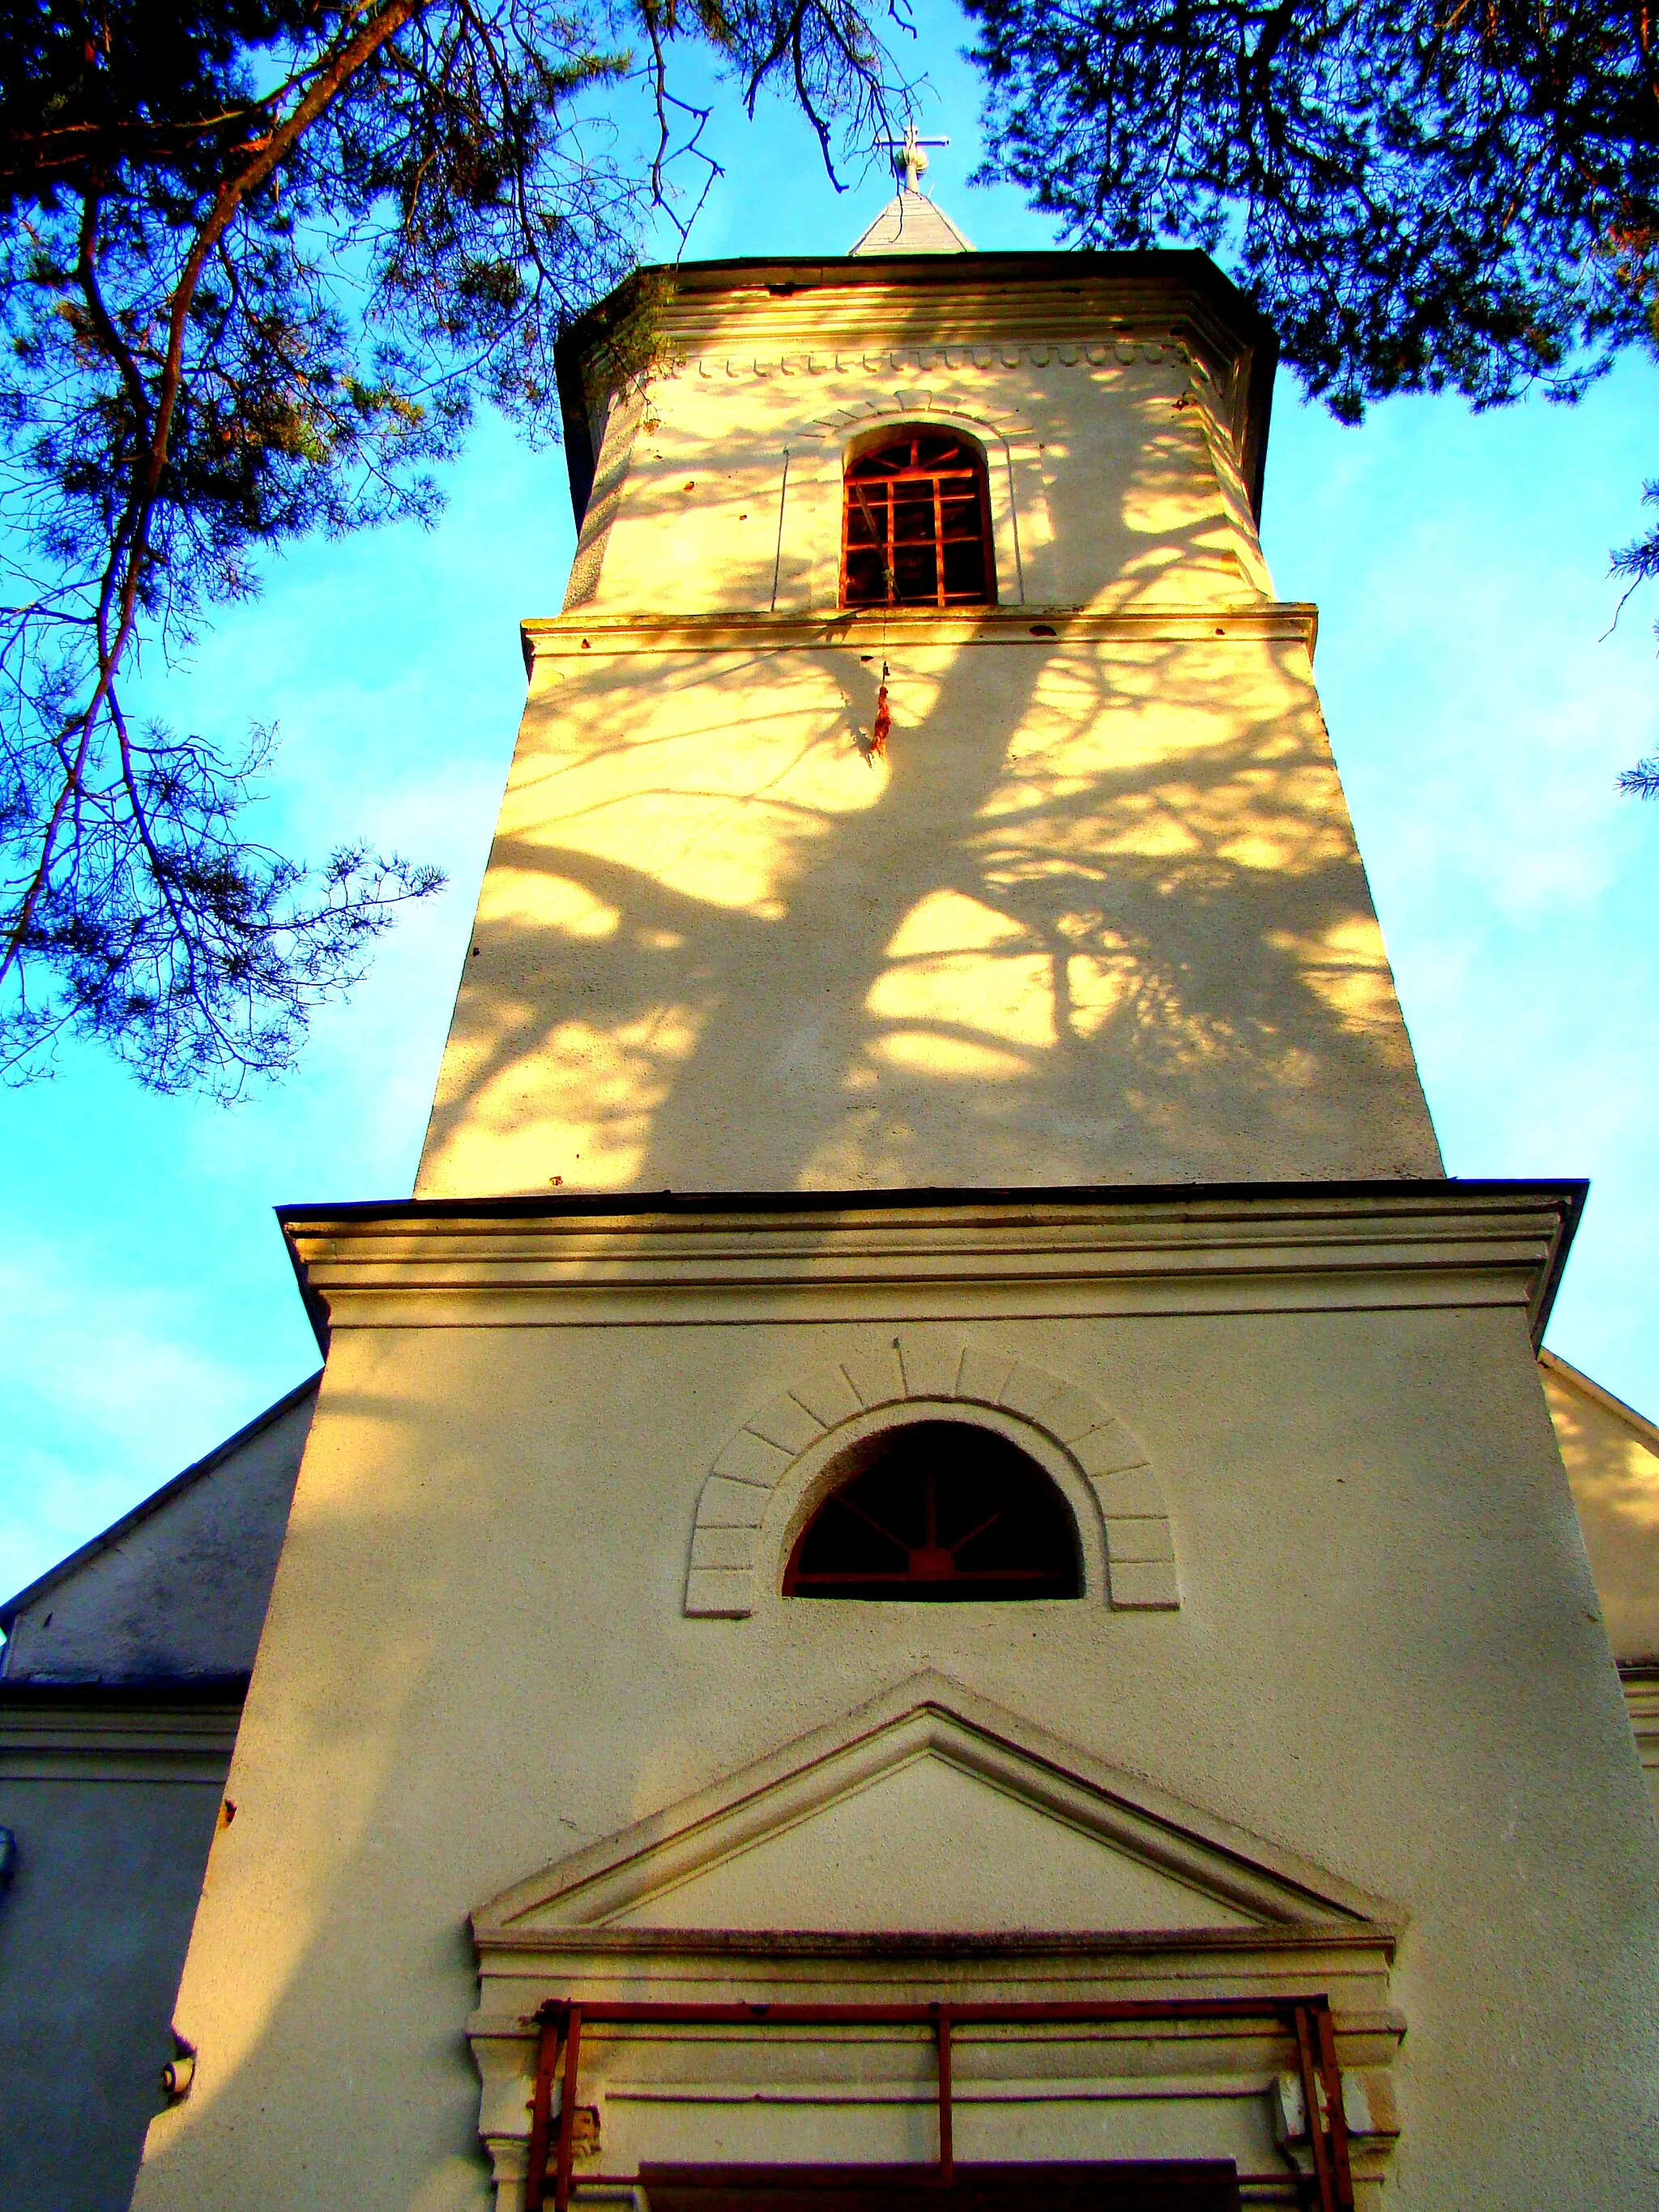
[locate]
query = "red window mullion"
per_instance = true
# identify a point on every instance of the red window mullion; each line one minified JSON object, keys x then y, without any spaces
{"x":953,"y":478}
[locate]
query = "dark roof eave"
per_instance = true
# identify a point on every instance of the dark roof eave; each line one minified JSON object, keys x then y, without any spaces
{"x":170,"y":1691}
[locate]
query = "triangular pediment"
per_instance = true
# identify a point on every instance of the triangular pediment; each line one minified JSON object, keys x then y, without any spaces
{"x":929,"y":1811}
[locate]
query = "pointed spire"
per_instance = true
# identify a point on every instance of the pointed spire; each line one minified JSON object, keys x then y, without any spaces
{"x":911,"y":223}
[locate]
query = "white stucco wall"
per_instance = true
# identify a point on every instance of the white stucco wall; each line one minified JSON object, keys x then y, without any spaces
{"x":113,"y":1806}
{"x":1612,"y":1458}
{"x":1098,"y":915}
{"x":1388,"y":1658}
{"x":1611,"y":1454}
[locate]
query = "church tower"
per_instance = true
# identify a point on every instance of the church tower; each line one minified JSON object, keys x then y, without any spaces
{"x":931,"y":1566}
{"x":1092,"y":914}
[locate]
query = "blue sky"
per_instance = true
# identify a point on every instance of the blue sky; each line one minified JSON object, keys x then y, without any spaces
{"x":1479,"y":718}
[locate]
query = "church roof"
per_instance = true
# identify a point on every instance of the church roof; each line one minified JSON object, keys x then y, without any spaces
{"x":176,"y":1588}
{"x":911,"y":223}
{"x":1646,"y":1433}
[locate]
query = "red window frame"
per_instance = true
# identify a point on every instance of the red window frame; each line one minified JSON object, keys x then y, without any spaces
{"x":915,"y":523}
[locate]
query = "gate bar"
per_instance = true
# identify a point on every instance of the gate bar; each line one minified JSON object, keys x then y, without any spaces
{"x":1321,"y":2158}
{"x":535,"y":2187}
{"x":573,"y":2044}
{"x":947,"y":2156}
{"x":1336,"y":2118}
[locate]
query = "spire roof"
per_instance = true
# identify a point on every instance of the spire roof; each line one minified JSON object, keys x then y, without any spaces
{"x":911,"y":224}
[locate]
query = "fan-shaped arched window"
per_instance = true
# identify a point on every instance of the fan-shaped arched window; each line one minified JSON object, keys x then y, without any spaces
{"x":939,"y":1509}
{"x":916,"y":524}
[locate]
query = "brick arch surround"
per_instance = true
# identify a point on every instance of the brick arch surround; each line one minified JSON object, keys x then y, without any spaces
{"x":918,"y":1367}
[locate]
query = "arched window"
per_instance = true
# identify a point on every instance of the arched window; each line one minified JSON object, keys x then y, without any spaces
{"x":939,"y":1509}
{"x":916,"y":524}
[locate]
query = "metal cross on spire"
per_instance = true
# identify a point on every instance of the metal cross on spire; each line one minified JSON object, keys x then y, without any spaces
{"x":909,"y":159}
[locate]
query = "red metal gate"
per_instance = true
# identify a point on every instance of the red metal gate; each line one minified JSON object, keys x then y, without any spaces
{"x":1306,"y":2020}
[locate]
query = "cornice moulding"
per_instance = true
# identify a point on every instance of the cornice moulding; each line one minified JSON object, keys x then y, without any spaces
{"x":116,"y":1743}
{"x":1067,"y":1956}
{"x":572,"y":636}
{"x":879,"y":312}
{"x":1122,"y":345}
{"x":1406,"y":1247}
{"x":874,"y":305}
{"x":600,"y":1965}
{"x":981,"y":311}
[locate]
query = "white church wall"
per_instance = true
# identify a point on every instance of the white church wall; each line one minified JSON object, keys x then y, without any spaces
{"x":1105,"y":410}
{"x":1098,"y":915}
{"x":1387,"y":1657}
{"x":1611,"y":1457}
{"x":1105,"y":490}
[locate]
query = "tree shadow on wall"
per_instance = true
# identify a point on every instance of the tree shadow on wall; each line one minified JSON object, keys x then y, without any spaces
{"x":1104,"y":921}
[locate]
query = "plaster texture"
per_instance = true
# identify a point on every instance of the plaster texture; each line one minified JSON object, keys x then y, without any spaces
{"x":1387,"y":1660}
{"x":1612,"y":1458}
{"x":1097,"y":916}
{"x":112,"y":1803}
